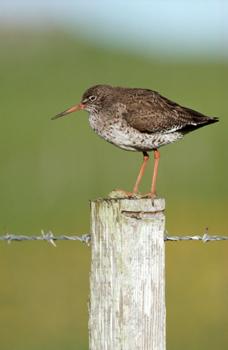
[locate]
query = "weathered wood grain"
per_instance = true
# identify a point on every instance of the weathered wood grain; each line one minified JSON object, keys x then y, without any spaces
{"x":127,"y":281}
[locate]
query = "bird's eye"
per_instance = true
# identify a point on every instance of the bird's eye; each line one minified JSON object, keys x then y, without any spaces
{"x":92,"y":98}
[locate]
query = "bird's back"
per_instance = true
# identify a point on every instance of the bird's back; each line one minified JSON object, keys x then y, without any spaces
{"x":149,"y":112}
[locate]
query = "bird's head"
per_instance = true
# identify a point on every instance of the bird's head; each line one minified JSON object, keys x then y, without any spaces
{"x":92,"y":100}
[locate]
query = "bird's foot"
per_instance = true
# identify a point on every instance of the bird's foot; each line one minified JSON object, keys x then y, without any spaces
{"x":149,"y":195}
{"x":118,"y":193}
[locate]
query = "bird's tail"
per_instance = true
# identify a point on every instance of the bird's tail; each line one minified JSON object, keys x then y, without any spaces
{"x":197,"y":120}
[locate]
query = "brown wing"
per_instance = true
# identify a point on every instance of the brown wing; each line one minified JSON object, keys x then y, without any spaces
{"x":150,"y":112}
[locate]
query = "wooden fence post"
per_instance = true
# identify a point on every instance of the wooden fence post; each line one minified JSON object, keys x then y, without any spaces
{"x":127,"y":281}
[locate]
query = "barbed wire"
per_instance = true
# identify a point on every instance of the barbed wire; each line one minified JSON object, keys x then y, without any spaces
{"x":204,"y":238}
{"x":46,"y":236}
{"x":86,"y":238}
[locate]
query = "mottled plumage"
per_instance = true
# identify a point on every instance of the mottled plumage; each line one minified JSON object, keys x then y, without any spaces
{"x":138,"y":120}
{"x":144,"y":110}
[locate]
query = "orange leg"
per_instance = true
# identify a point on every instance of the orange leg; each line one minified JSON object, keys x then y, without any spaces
{"x":141,"y":172}
{"x":154,"y":178}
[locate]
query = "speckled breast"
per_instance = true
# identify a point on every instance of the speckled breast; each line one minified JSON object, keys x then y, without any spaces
{"x":120,"y":134}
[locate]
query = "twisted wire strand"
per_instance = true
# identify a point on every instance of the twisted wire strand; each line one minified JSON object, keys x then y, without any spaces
{"x":86,"y":238}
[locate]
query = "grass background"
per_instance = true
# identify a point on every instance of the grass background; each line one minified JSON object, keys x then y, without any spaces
{"x":50,"y":171}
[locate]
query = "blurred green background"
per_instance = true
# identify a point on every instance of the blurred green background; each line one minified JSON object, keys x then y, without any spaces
{"x":50,"y":170}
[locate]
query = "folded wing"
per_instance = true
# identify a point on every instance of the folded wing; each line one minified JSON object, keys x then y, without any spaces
{"x":150,"y":112}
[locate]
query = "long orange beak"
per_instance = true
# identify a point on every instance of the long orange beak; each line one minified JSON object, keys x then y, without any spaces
{"x":69,"y":110}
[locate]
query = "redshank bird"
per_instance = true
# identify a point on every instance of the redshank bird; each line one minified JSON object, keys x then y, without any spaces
{"x":138,"y":120}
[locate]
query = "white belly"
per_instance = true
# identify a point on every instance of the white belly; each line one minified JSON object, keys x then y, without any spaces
{"x":130,"y":139}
